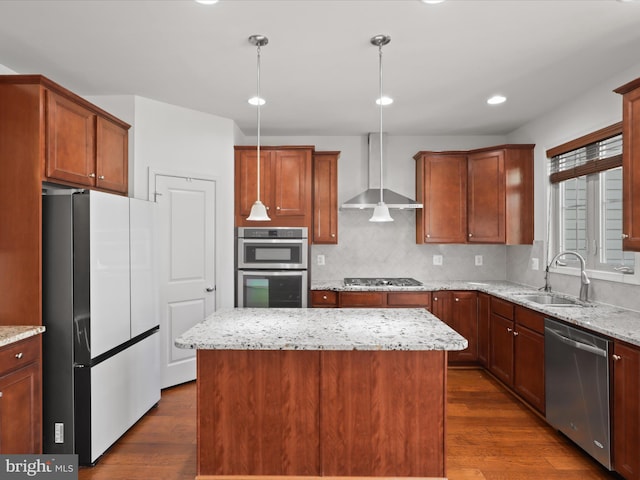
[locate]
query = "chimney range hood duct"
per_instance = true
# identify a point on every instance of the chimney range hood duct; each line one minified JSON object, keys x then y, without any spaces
{"x":370,"y":197}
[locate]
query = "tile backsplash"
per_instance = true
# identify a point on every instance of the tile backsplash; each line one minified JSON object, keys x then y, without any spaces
{"x":368,"y":249}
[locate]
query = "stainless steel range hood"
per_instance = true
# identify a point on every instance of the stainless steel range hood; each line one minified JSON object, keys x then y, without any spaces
{"x":370,"y":197}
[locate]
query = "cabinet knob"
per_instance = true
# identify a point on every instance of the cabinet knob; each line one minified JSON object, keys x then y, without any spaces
{"x":92,"y":175}
{"x":616,"y":358}
{"x":333,"y":235}
{"x":457,"y":299}
{"x":324,"y":297}
{"x":435,"y":299}
{"x":509,"y":329}
{"x":624,"y":236}
{"x":515,"y":334}
{"x":101,"y":177}
{"x":19,"y":355}
{"x":428,"y":236}
{"x":277,"y":208}
{"x":470,"y":235}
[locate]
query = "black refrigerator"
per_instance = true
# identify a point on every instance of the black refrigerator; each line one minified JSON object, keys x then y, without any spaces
{"x":101,"y":366}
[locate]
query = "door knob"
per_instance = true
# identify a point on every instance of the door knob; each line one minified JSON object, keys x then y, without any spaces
{"x":210,"y":289}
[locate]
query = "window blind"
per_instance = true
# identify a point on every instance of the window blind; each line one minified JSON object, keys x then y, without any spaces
{"x":598,"y":155}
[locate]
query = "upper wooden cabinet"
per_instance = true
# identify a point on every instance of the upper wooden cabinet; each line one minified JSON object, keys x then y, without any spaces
{"x":477,"y":196}
{"x":631,"y":164}
{"x":325,"y":197}
{"x":285,"y":185}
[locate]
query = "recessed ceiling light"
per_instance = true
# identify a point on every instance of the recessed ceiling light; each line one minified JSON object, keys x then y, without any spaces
{"x":257,"y":101}
{"x":496,"y":100}
{"x":432,"y":2}
{"x":207,"y":2}
{"x":384,"y":100}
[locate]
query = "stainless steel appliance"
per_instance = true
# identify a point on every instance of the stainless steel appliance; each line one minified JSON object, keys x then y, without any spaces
{"x":381,"y":282}
{"x":101,"y":350}
{"x":577,"y":387}
{"x":272,"y":267}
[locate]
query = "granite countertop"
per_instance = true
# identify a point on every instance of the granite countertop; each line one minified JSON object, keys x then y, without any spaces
{"x":321,"y":329}
{"x":615,"y":322}
{"x":12,"y":334}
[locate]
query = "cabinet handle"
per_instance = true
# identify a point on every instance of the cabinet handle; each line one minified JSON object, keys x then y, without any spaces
{"x":471,"y":235}
{"x":101,"y":177}
{"x":457,"y":299}
{"x":428,"y":236}
{"x":435,"y":299}
{"x":515,"y":334}
{"x":0,"y":394}
{"x":92,"y":175}
{"x":333,"y":235}
{"x":277,"y":208}
{"x":324,"y":297}
{"x":616,"y":358}
{"x":19,"y":355}
{"x":624,"y":236}
{"x":509,"y":329}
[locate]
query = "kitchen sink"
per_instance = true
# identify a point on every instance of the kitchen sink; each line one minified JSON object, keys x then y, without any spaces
{"x":551,"y":300}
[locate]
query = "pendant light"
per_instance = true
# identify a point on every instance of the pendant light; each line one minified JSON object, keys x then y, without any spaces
{"x":381,"y":211}
{"x":258,"y":210}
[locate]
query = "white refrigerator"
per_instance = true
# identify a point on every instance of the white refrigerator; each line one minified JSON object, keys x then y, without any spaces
{"x":101,"y":366}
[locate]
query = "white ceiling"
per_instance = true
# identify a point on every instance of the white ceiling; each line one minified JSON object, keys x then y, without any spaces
{"x":319,"y":71}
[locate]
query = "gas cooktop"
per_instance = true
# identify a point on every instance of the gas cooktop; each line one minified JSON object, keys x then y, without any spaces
{"x":381,"y":282}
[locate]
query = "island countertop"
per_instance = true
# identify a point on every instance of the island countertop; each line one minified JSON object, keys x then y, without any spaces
{"x":321,"y":329}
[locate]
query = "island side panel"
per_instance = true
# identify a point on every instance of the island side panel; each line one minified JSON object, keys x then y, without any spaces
{"x":383,"y":413}
{"x":258,"y":412}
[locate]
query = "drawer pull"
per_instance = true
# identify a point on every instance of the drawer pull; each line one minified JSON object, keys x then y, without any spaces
{"x":324,"y":297}
{"x":92,"y":175}
{"x":19,"y":355}
{"x":101,"y":177}
{"x":617,"y":358}
{"x":509,"y":329}
{"x":515,"y":334}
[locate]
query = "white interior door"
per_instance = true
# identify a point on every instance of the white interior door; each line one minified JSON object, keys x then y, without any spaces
{"x":186,"y":229}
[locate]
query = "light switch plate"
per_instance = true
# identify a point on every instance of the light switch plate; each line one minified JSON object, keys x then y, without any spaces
{"x":478,"y":260}
{"x":535,"y":264}
{"x":437,"y":259}
{"x":320,"y":259}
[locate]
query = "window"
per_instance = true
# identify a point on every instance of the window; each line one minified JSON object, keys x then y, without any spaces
{"x":586,"y":203}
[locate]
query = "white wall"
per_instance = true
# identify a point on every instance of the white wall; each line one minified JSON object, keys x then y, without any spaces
{"x":591,"y":111}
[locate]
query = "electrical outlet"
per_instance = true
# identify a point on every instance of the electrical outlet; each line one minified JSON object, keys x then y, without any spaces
{"x":535,"y":264}
{"x":437,"y":259}
{"x":478,"y":260}
{"x":320,"y":260}
{"x":59,"y":433}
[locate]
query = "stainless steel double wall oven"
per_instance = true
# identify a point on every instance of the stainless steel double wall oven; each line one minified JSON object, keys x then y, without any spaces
{"x":272,"y":267}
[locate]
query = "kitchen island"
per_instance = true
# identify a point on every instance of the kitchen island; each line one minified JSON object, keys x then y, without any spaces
{"x":314,"y":392}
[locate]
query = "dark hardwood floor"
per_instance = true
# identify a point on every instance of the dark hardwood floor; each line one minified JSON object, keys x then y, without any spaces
{"x":490,"y":436}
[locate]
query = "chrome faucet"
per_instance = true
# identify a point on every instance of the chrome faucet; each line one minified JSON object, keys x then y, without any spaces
{"x":584,"y":279}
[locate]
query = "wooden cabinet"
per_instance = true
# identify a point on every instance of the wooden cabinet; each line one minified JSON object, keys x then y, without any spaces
{"x":528,"y":359}
{"x":459,"y":310}
{"x":285,"y":185}
{"x":324,"y":298}
{"x":325,"y":197}
{"x":21,"y":397}
{"x":516,"y":350}
{"x":375,"y":299}
{"x":363,"y":299}
{"x":441,"y":186}
{"x":631,"y":164}
{"x":477,"y":196}
{"x":626,"y":410}
{"x":84,"y":148}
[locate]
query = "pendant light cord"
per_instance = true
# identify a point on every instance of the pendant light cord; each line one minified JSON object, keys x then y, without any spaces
{"x":259,"y":101}
{"x":380,"y":100}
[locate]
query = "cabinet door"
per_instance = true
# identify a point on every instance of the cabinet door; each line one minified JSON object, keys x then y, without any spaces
{"x":246,"y":184}
{"x":501,"y":348}
{"x":441,"y":306}
{"x":483,"y":329}
{"x":444,"y":196}
{"x":21,"y":411}
{"x":325,"y":197}
{"x":486,"y":197}
{"x":528,"y":366}
{"x":292,"y":183}
{"x":362,"y":299}
{"x":631,"y":168}
{"x":112,"y":156}
{"x":626,"y":411}
{"x":324,"y":299}
{"x":464,"y":315}
{"x":409,"y":299}
{"x":70,"y":140}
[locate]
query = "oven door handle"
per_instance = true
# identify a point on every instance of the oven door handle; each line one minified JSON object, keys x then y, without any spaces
{"x":575,"y":344}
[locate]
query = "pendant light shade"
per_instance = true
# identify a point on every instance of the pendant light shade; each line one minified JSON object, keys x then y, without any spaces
{"x":258,"y":210}
{"x":381,"y":211}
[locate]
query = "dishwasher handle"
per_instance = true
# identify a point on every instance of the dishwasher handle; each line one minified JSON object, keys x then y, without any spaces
{"x":579,"y":345}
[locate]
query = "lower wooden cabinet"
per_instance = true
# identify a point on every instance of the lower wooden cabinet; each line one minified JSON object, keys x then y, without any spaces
{"x":528,"y":357}
{"x":21,"y":397}
{"x":501,"y":342}
{"x":370,"y":299}
{"x":459,"y":310}
{"x":483,"y":328}
{"x":324,"y":298}
{"x":626,"y":410}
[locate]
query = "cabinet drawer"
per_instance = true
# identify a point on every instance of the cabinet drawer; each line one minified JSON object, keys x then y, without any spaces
{"x":502,"y":308}
{"x":324,"y":298}
{"x":362,"y":299}
{"x":409,"y":299}
{"x":19,"y":354}
{"x":530,"y":319}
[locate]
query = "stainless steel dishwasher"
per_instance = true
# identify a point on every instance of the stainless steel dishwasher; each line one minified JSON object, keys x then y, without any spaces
{"x":577,"y":387}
